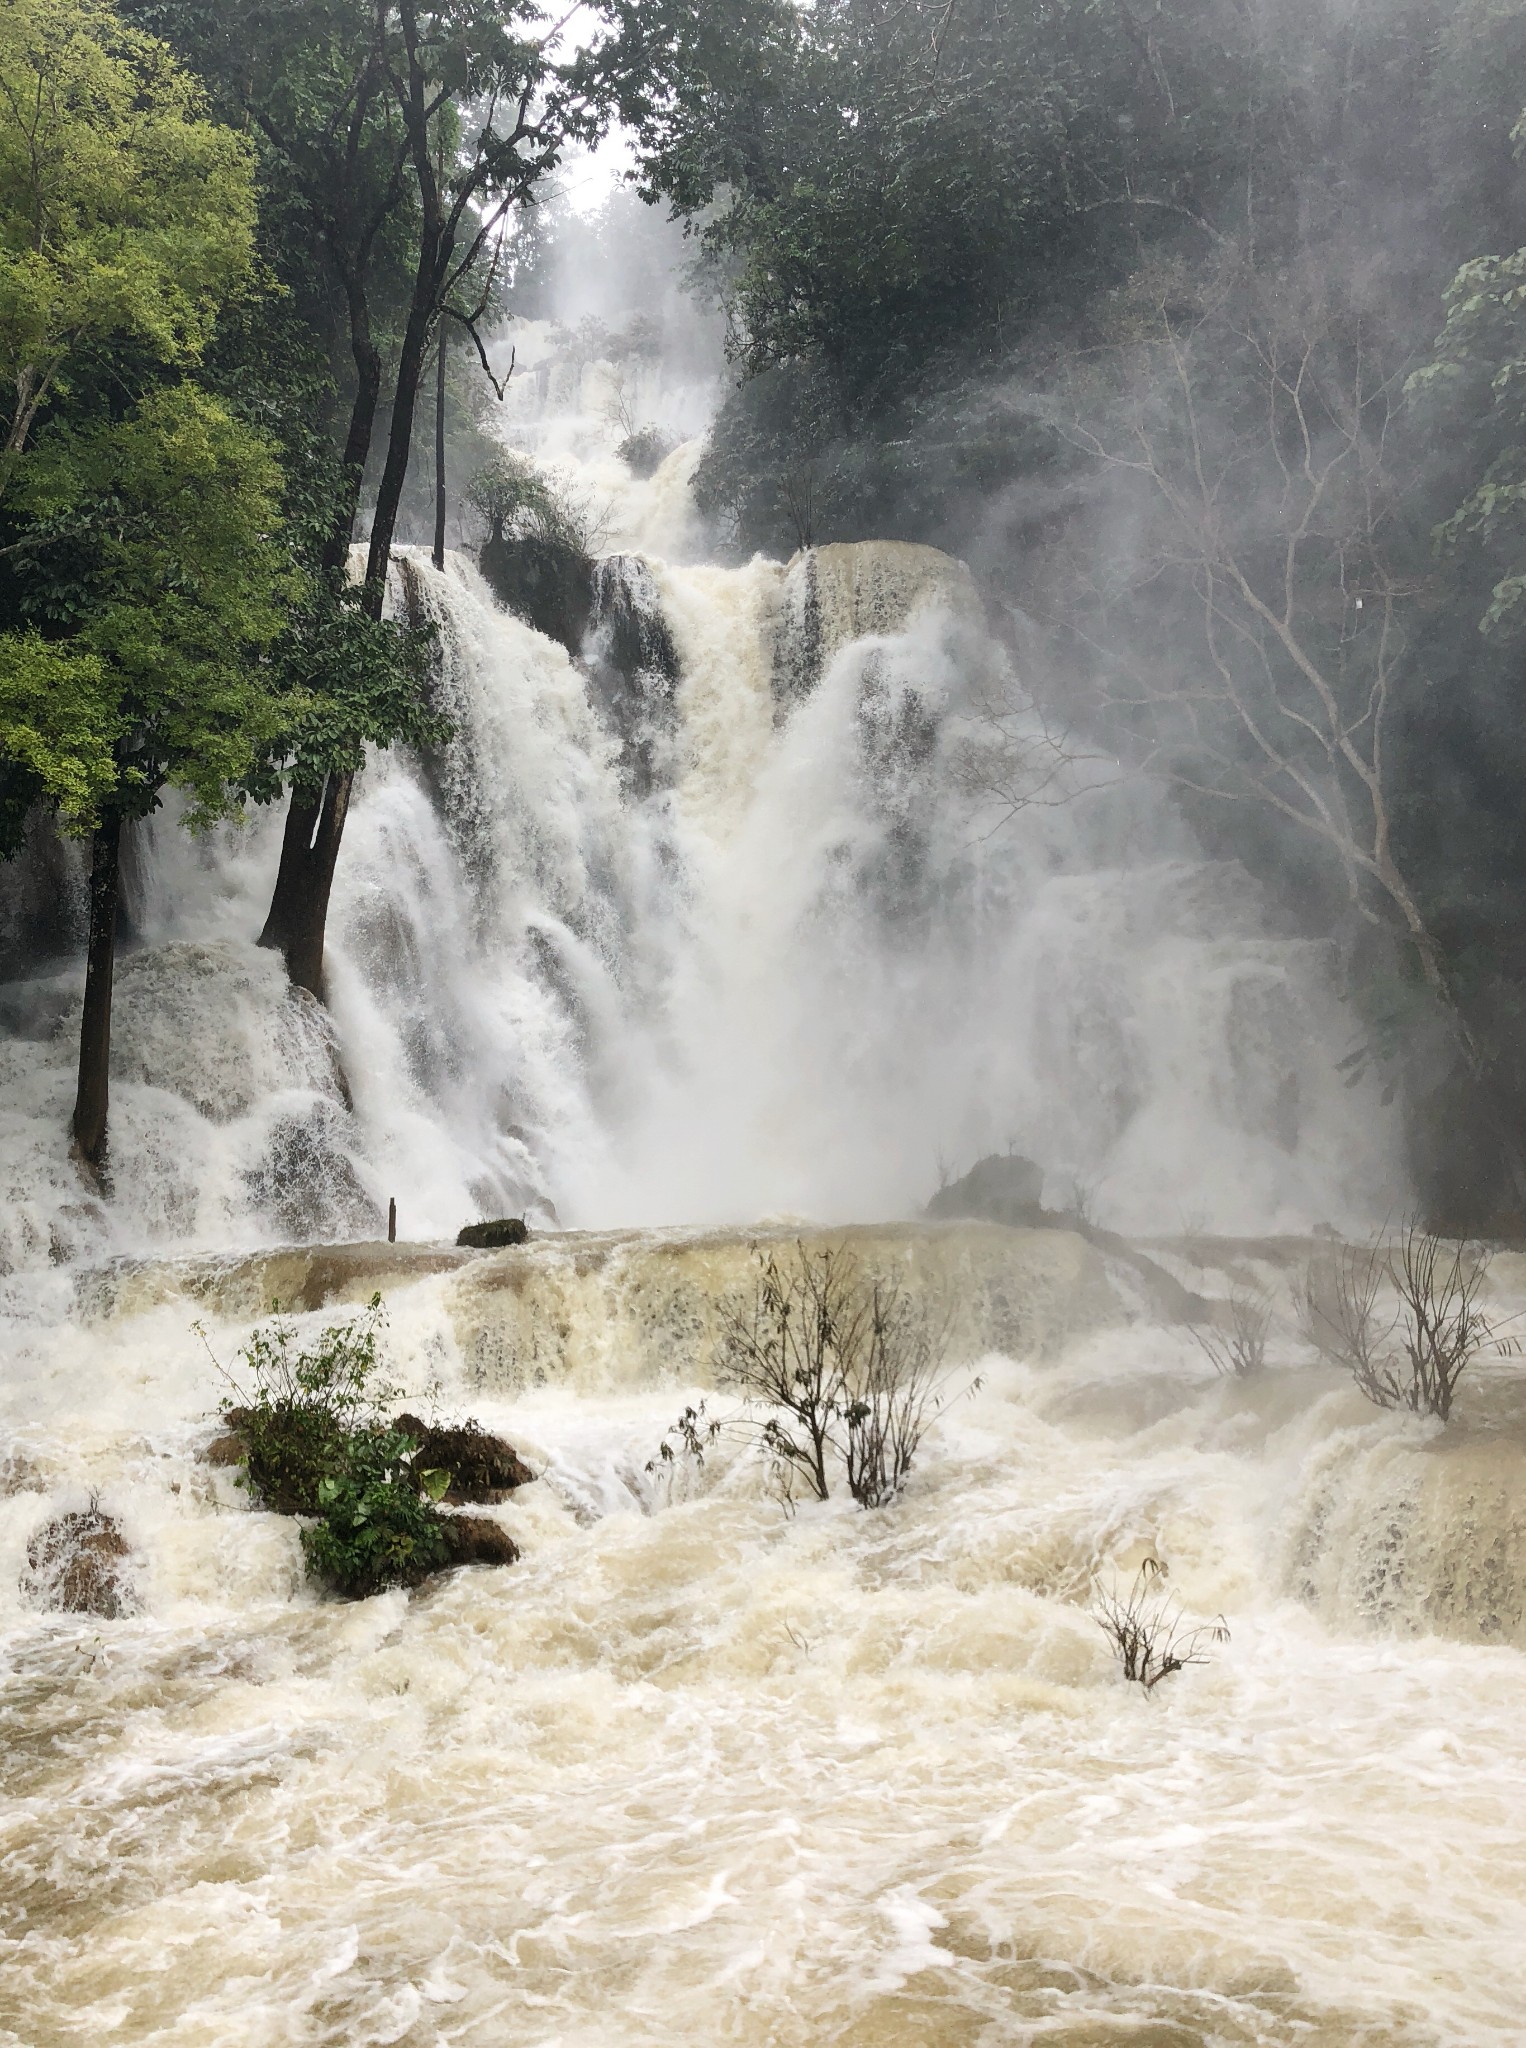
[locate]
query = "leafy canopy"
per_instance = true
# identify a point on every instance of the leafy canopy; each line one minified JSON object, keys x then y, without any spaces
{"x":124,"y":212}
{"x":150,"y":587}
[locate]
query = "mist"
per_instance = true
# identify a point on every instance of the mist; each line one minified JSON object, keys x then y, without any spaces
{"x":794,"y":1312}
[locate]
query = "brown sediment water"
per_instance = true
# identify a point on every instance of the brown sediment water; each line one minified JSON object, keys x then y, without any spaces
{"x":699,"y":1770}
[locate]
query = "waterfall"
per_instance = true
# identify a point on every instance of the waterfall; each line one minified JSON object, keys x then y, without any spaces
{"x":714,"y":924}
{"x":727,"y":922}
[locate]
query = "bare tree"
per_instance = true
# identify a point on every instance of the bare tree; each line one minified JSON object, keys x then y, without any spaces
{"x":1338,"y":1312}
{"x":835,"y":1369}
{"x":1147,"y":1631}
{"x":1255,"y":536}
{"x":1236,"y":1347}
{"x":1415,"y":1356}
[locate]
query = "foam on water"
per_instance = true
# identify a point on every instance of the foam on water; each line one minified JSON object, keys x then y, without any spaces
{"x":697,"y":1769}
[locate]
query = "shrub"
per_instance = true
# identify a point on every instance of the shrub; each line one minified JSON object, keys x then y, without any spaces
{"x":846,"y":1371}
{"x":310,"y":1419}
{"x":1237,"y":1347}
{"x":645,"y":450}
{"x":1148,"y":1634}
{"x":519,"y":501}
{"x":680,"y":1456}
{"x":377,"y":1527}
{"x":297,"y":1408}
{"x":1413,"y":1355}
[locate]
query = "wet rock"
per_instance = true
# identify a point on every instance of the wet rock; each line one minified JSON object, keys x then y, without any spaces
{"x":19,"y":1474}
{"x":545,"y":581}
{"x":476,"y":1539}
{"x":488,"y":1237}
{"x":482,"y":1467}
{"x":74,"y":1565}
{"x":227,"y":1449}
{"x":1003,"y":1188}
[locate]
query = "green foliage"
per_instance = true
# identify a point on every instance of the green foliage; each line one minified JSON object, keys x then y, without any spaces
{"x":517,"y":501}
{"x":151,"y":587}
{"x":59,"y":726}
{"x":300,"y":1407}
{"x":346,"y":681}
{"x":317,"y":1443}
{"x":124,"y":213}
{"x":1477,"y":383}
{"x":378,"y":1527}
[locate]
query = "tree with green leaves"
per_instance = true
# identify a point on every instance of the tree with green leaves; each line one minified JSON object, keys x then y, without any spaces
{"x":126,"y":216}
{"x":141,"y":582}
{"x":150,"y":589}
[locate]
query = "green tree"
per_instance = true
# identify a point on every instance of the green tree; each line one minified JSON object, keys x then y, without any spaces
{"x":150,"y":586}
{"x":125,"y":214}
{"x":142,"y":577}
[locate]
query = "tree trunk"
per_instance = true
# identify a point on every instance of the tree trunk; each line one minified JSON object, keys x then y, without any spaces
{"x":299,"y":907}
{"x":433,"y":265}
{"x":92,"y":1099}
{"x":439,"y":453}
{"x":296,"y":924}
{"x":357,"y":447}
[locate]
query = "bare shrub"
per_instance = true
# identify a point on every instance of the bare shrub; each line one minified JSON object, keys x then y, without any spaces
{"x":1338,"y":1311}
{"x":897,"y":1389}
{"x":845,"y":1370}
{"x":680,"y":1457}
{"x":1149,"y":1635}
{"x":1414,"y":1356}
{"x":1237,"y":1347}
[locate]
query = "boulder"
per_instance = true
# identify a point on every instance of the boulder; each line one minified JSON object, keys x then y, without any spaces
{"x":483,"y":1468}
{"x":491,"y":1237}
{"x":74,"y":1565}
{"x":1003,"y":1188}
{"x":477,"y":1539}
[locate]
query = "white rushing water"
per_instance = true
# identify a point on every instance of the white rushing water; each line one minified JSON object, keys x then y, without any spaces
{"x":696,"y":1770}
{"x":744,"y":935}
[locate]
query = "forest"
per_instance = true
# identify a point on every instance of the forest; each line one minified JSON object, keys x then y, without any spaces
{"x":1197,"y":331}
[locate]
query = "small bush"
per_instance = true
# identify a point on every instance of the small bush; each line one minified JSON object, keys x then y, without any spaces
{"x":846,"y":1372}
{"x":311,"y":1422}
{"x":377,"y":1527}
{"x":645,"y":450}
{"x":680,"y":1456}
{"x":1413,"y":1355}
{"x":520,"y":502}
{"x":1237,"y":1347}
{"x":1148,"y":1634}
{"x":297,"y":1408}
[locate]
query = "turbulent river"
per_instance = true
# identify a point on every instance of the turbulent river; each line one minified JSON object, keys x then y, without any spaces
{"x":732,"y":927}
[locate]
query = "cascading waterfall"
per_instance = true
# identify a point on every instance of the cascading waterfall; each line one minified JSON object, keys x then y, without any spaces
{"x":724,"y":923}
{"x":719,"y":928}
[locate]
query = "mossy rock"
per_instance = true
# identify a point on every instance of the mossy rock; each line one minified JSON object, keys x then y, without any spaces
{"x":477,"y":1539}
{"x":482,"y":1467}
{"x":492,"y":1237}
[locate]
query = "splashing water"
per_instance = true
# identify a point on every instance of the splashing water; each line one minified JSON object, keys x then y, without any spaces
{"x":717,"y":947}
{"x":718,"y":925}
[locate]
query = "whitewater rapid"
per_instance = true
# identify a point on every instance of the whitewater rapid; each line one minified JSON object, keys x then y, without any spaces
{"x":699,"y":1770}
{"x":741,"y":935}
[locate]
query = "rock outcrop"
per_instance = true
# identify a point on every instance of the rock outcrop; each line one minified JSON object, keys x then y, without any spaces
{"x":1002,"y":1188}
{"x":494,"y":1236}
{"x":477,"y":1539}
{"x":76,"y":1563}
{"x":483,"y":1468}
